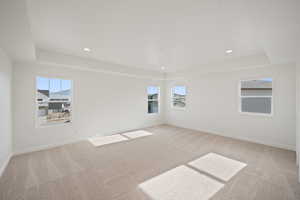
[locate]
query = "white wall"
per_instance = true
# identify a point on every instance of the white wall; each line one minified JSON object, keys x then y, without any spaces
{"x":212,"y":105}
{"x":298,"y":115}
{"x":298,"y":111}
{"x":5,"y":110}
{"x":103,"y":104}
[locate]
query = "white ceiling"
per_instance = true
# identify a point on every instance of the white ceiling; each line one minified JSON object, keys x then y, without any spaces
{"x":15,"y":34}
{"x":177,"y":34}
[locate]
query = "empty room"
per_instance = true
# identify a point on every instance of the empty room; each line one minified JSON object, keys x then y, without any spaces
{"x":149,"y":99}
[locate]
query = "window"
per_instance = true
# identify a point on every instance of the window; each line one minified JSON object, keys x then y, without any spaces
{"x":54,"y":101}
{"x":256,"y":96}
{"x":179,"y":97}
{"x":153,"y":98}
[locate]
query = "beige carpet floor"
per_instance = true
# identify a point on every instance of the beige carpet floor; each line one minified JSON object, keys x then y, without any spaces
{"x":127,"y":170}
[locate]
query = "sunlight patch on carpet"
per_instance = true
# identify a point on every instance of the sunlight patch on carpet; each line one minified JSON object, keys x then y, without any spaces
{"x":181,"y":183}
{"x":104,"y":140}
{"x":137,"y":134}
{"x":218,"y":166}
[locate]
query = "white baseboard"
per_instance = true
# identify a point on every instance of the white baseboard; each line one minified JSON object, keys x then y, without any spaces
{"x":3,"y":167}
{"x":299,"y":174}
{"x":48,"y":146}
{"x":281,"y":146}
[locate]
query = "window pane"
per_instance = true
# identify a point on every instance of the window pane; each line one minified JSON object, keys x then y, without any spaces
{"x":42,"y":83}
{"x":152,"y":92}
{"x":66,"y":85}
{"x":42,"y":113}
{"x":60,"y":90}
{"x":54,"y":104}
{"x":178,"y":103}
{"x":257,"y":104}
{"x":260,"y":87}
{"x":152,"y":106}
{"x":256,"y":92}
{"x":179,"y":90}
{"x":55,"y":85}
{"x":256,"y":96}
{"x":59,"y":112}
{"x":42,"y":109}
{"x":42,"y":95}
{"x":178,"y":96}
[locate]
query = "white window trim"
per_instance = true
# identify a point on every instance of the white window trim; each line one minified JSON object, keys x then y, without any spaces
{"x":158,"y":100}
{"x":172,"y":106}
{"x":37,"y":125}
{"x":253,"y":113}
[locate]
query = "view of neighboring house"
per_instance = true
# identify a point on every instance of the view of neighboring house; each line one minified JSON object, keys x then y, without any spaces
{"x":178,"y":96}
{"x":256,"y":87}
{"x":43,"y":98}
{"x":178,"y":100}
{"x":152,"y":96}
{"x":153,"y":106}
{"x":54,"y":107}
{"x":256,"y":96}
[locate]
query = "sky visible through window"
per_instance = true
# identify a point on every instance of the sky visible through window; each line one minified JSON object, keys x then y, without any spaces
{"x":152,"y":90}
{"x":179,"y":90}
{"x":54,"y":85}
{"x":267,"y":79}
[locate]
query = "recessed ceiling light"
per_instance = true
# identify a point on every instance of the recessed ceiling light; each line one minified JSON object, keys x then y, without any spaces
{"x":229,"y":51}
{"x":162,"y":68}
{"x":86,"y":49}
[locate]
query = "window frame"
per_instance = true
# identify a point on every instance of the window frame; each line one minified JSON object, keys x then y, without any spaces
{"x":255,"y":113}
{"x":158,"y":100}
{"x":37,"y":124}
{"x":172,"y":105}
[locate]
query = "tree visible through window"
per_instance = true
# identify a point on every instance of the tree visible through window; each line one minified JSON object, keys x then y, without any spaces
{"x":256,"y":96}
{"x":179,"y":97}
{"x":54,"y":101}
{"x":153,"y":99}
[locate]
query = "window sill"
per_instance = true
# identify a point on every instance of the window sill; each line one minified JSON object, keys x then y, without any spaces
{"x":256,"y":114}
{"x":153,"y":113}
{"x":54,"y":125}
{"x":180,"y":109}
